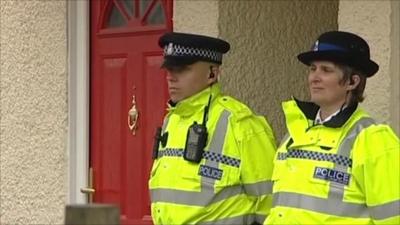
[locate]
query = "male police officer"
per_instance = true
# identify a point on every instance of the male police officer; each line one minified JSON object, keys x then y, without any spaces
{"x":213,"y":157}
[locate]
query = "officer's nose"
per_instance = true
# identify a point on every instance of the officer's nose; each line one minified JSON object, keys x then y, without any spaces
{"x":170,"y":76}
{"x":314,"y":76}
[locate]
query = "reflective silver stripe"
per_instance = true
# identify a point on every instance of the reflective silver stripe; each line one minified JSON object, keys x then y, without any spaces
{"x":260,"y":218}
{"x":259,"y":188}
{"x":347,"y":144}
{"x":334,"y":204}
{"x":194,"y":198}
{"x":207,"y":195}
{"x":284,"y":139}
{"x":245,"y":219}
{"x":218,"y":139}
{"x":216,"y":146}
{"x":336,"y":190}
{"x":321,"y":205}
{"x":165,"y":124}
{"x":384,"y":211}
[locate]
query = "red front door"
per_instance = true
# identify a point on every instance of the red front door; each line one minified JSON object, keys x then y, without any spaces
{"x":127,"y":100}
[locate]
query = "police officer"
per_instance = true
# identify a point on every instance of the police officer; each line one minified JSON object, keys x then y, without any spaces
{"x":213,"y":156}
{"x":336,"y":165}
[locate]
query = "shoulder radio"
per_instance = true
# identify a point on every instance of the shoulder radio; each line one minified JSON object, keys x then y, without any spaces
{"x":196,"y":141}
{"x":196,"y":138}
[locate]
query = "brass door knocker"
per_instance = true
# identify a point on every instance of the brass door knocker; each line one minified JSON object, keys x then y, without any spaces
{"x":133,"y":116}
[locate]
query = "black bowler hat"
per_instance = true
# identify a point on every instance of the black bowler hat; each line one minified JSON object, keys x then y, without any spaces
{"x":342,"y":47}
{"x":185,"y":49}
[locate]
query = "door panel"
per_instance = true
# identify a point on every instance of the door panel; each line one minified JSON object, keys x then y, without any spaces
{"x":126,"y":75}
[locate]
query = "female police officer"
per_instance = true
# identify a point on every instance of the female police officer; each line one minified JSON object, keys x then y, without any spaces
{"x":213,"y":157}
{"x":337,"y":165}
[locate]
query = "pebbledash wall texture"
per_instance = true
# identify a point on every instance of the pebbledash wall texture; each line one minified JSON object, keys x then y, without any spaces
{"x":378,"y":22}
{"x":33,"y":112}
{"x":261,"y":70}
{"x":266,"y":36}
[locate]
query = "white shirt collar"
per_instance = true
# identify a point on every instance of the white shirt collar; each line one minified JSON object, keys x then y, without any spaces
{"x":318,"y":119}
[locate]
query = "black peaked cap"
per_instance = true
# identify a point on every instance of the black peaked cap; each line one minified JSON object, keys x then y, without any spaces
{"x":342,"y":47}
{"x":185,"y":49}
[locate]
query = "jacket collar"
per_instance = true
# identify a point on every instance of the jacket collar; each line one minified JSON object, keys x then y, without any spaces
{"x":195,"y":102}
{"x":310,"y":110}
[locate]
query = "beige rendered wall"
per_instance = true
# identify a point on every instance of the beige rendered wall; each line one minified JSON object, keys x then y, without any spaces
{"x":376,"y":22}
{"x":266,"y":36}
{"x":196,"y":16}
{"x":33,"y":112}
{"x":395,"y":66}
{"x":261,"y":69}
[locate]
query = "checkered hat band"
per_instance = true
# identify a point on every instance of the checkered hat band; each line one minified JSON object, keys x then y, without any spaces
{"x":318,"y":156}
{"x":216,"y":157}
{"x":178,"y":50}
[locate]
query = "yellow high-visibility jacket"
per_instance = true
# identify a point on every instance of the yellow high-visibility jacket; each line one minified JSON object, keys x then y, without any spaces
{"x":232,"y":182}
{"x":345,"y":171}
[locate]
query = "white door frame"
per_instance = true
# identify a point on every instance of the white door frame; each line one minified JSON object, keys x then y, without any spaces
{"x":78,"y":98}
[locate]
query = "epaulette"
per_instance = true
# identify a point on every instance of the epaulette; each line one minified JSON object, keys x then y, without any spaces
{"x":237,"y":108}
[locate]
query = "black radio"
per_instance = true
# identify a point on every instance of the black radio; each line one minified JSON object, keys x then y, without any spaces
{"x":196,"y":141}
{"x":196,"y":138}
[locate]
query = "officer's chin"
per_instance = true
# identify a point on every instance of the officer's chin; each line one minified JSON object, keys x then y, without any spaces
{"x":174,"y":99}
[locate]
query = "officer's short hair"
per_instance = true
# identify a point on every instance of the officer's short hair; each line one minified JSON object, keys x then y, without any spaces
{"x":357,"y":94}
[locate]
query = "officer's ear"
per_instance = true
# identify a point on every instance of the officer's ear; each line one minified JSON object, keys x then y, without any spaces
{"x":353,"y":82}
{"x":213,"y":74}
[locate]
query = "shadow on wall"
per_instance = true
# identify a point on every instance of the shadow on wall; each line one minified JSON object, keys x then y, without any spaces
{"x":262,"y":69}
